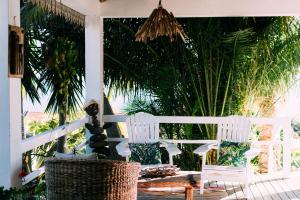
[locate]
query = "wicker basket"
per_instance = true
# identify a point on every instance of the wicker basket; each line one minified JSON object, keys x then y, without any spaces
{"x":91,"y":179}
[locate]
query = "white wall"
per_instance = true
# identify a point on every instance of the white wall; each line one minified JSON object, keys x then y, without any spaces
{"x":201,"y":8}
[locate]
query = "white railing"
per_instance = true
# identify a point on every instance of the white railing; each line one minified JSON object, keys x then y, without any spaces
{"x":281,"y":123}
{"x":51,"y":135}
{"x":44,"y":138}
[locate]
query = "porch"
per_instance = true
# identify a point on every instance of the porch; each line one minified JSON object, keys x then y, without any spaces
{"x":264,"y":188}
{"x":279,"y":183}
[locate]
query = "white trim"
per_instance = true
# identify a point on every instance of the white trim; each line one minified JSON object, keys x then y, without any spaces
{"x":195,"y":120}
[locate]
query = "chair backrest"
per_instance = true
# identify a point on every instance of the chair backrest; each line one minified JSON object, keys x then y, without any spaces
{"x":142,"y":128}
{"x":234,"y":129}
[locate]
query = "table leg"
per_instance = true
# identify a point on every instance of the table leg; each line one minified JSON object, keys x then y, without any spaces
{"x":189,"y":193}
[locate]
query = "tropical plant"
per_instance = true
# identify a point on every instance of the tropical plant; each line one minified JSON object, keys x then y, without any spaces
{"x":36,"y":157}
{"x":54,"y":61}
{"x":227,"y":66}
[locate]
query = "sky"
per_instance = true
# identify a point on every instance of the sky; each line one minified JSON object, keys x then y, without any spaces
{"x":117,"y":104}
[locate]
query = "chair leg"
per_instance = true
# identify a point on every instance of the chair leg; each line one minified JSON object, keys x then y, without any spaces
{"x":171,"y":159}
{"x":202,"y":187}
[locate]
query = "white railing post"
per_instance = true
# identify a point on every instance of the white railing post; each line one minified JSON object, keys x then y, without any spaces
{"x":287,"y":147}
{"x":10,"y":104}
{"x":94,"y":62}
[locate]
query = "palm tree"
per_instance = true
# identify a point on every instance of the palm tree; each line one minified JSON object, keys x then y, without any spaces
{"x":227,"y":65}
{"x":54,"y":61}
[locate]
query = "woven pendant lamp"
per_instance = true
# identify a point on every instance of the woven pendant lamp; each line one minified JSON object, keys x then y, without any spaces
{"x":160,"y":23}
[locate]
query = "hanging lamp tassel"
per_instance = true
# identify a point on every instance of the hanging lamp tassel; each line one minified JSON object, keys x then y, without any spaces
{"x":61,"y":10}
{"x":160,"y":23}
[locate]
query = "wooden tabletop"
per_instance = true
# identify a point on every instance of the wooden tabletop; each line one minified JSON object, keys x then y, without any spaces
{"x":182,"y":179}
{"x":186,"y":179}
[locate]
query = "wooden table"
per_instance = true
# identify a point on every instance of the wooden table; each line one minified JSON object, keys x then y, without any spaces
{"x":185,"y":179}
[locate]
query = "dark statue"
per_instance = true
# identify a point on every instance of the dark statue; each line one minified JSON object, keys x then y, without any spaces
{"x":98,"y":140}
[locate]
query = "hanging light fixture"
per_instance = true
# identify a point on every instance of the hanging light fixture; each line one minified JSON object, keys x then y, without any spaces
{"x":160,"y":23}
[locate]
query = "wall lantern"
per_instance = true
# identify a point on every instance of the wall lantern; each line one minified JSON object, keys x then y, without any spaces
{"x":15,"y":52}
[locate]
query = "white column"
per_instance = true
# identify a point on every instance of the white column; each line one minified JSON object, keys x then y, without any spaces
{"x":10,"y":103}
{"x":94,"y":61}
{"x":4,"y":94}
{"x":15,"y":107}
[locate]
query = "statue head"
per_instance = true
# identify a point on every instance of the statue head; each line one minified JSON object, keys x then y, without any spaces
{"x":91,"y":107}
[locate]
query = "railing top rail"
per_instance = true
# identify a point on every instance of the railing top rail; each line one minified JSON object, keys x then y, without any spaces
{"x":197,"y":120}
{"x":48,"y":136}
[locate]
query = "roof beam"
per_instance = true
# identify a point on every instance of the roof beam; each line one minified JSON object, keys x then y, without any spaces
{"x":201,"y":8}
{"x":85,"y":7}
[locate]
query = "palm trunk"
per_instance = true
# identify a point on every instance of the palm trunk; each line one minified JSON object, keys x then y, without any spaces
{"x":62,"y":140}
{"x":113,"y":131}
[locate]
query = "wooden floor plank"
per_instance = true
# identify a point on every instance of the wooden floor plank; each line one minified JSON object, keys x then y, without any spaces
{"x":250,"y":194}
{"x":230,"y":190}
{"x":294,"y":183}
{"x":271,"y":192}
{"x":255,"y":192}
{"x":278,"y":189}
{"x":263,"y":191}
{"x":289,"y":191}
{"x":238,"y":188}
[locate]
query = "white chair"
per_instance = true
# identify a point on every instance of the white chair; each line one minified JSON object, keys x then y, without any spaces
{"x":232,"y":129}
{"x":144,"y":128}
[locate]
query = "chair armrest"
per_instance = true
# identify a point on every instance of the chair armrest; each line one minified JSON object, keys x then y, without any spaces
{"x":204,"y":148}
{"x":123,"y":149}
{"x":171,"y":148}
{"x":250,"y":154}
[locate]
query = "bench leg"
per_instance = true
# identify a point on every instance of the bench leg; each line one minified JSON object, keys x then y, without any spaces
{"x":189,"y":193}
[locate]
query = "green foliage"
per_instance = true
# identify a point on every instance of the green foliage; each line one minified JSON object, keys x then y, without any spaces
{"x":54,"y":59}
{"x":228,"y":66}
{"x":47,"y":150}
{"x":33,"y":191}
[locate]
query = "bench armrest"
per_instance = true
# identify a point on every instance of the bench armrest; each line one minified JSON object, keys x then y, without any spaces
{"x":204,"y":148}
{"x":123,"y":149}
{"x":171,"y":148}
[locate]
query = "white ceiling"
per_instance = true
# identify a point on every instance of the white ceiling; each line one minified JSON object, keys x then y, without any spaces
{"x":187,"y":8}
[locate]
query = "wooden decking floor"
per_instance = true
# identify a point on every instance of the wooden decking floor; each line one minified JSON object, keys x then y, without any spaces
{"x":263,"y":189}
